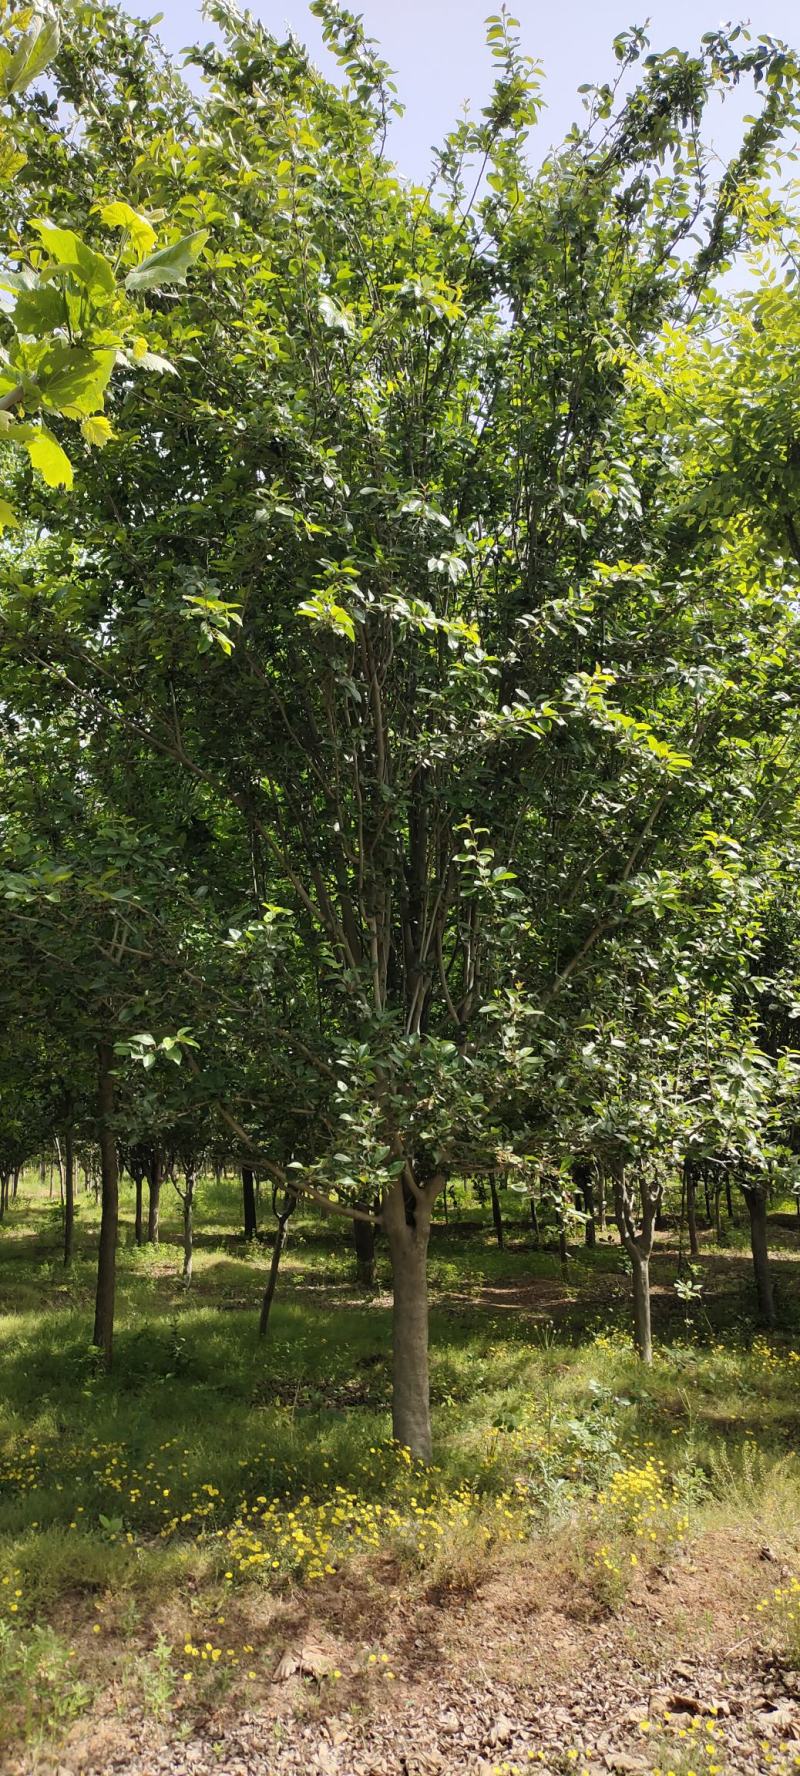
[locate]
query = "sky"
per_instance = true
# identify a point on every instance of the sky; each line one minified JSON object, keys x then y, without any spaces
{"x":438,"y":50}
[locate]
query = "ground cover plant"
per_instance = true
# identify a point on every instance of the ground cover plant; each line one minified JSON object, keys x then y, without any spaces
{"x":174,"y":1534}
{"x":400,"y":988}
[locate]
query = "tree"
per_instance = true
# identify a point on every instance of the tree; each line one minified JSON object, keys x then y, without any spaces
{"x":392,"y":634}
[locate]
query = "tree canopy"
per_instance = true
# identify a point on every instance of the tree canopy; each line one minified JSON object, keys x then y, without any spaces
{"x":398,"y":624}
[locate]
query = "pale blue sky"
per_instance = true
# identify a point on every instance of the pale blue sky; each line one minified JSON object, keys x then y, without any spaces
{"x":438,"y":50}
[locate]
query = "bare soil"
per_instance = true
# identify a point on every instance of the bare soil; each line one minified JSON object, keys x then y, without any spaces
{"x":522,"y":1668}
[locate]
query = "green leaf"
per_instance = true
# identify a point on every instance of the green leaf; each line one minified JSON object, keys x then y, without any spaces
{"x":168,"y":266}
{"x":335,"y":317}
{"x":121,"y":215}
{"x":97,"y":430}
{"x":8,"y":517}
{"x":68,"y":250}
{"x":154,"y":361}
{"x":47,"y":456}
{"x":77,"y":381}
{"x":32,"y":55}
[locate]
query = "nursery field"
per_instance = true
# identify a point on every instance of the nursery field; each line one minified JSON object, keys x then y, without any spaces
{"x":214,"y":1558}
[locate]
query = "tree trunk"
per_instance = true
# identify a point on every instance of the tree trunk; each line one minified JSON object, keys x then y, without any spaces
{"x":15,"y":1183}
{"x":188,"y":1228}
{"x":249,"y":1203}
{"x":60,"y":1163}
{"x":4,"y":1180}
{"x":601,"y":1200}
{"x":728,"y":1196}
{"x":109,"y":1217}
{"x":691,"y":1211}
{"x":69,"y":1196}
{"x":154,"y":1196}
{"x":638,"y":1247}
{"x":563,"y":1252}
{"x":584,"y":1196}
{"x":590,"y":1232}
{"x":407,"y":1224}
{"x":280,"y":1241}
{"x":137,"y":1223}
{"x":757,"y":1208}
{"x":364,"y":1242}
{"x":497,"y":1214}
{"x":642,"y":1336}
{"x":534,"y":1221}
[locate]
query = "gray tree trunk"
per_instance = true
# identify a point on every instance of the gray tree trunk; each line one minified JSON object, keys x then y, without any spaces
{"x":188,"y":1228}
{"x":756,"y":1200}
{"x":642,"y":1335}
{"x":109,"y":1217}
{"x":69,"y":1195}
{"x":691,"y":1211}
{"x":407,"y":1222}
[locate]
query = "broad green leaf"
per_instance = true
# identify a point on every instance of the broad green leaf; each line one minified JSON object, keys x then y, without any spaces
{"x":154,"y":361}
{"x":73,"y":380}
{"x":32,"y":55}
{"x":48,"y":457}
{"x":97,"y":430}
{"x":335,"y":317}
{"x":170,"y":265}
{"x":68,"y":250}
{"x":8,"y":517}
{"x":121,"y":215}
{"x":12,"y":159}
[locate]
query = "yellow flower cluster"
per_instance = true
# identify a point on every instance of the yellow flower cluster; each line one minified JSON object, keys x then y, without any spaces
{"x":639,"y":1506}
{"x":269,"y":1531}
{"x":783,"y":1604}
{"x":768,"y":1359}
{"x":10,"y":1594}
{"x":307,"y":1537}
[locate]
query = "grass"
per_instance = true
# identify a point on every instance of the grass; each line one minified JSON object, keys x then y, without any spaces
{"x":152,"y":1520}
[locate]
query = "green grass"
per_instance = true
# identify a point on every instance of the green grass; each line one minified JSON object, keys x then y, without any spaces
{"x":210,"y":1459}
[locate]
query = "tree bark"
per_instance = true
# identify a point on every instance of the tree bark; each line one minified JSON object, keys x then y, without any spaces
{"x":249,"y":1203}
{"x":691,"y":1210}
{"x":563,"y":1252}
{"x":534,"y":1221}
{"x":154,"y":1196}
{"x":137,"y":1221}
{"x":584,"y":1197}
{"x":280,"y":1241}
{"x":590,"y":1231}
{"x":638,"y":1247}
{"x":109,"y":1216}
{"x":407,"y":1222}
{"x":187,"y":1195}
{"x":364,"y":1242}
{"x":756,"y":1200}
{"x":497,"y":1213}
{"x":642,"y":1335}
{"x":69,"y":1196}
